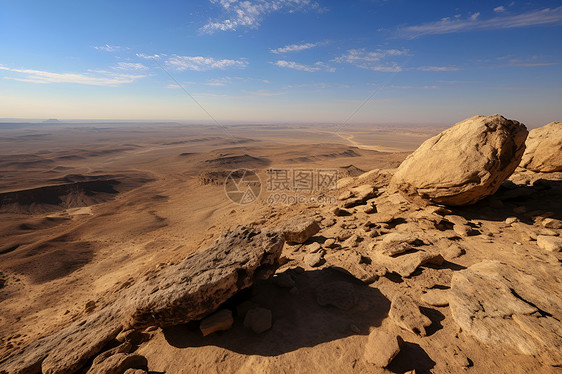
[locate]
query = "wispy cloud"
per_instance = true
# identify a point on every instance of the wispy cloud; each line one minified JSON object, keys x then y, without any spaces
{"x":250,"y":13}
{"x":373,"y":60}
{"x":474,"y":22}
{"x":318,"y":66}
{"x":438,"y":68}
{"x":499,"y":9}
{"x":93,"y":78}
{"x":294,"y":48}
{"x":200,"y":63}
{"x":417,"y":87}
{"x":135,"y":66}
{"x":109,"y":48}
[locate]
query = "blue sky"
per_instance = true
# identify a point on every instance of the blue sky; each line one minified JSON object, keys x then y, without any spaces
{"x":365,"y":61}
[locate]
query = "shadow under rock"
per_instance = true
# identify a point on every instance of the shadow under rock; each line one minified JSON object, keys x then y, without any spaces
{"x":410,"y":357}
{"x":542,"y":196}
{"x":298,"y":320}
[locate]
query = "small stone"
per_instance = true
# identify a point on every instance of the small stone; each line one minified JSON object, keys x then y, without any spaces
{"x":370,"y":209}
{"x":549,"y":243}
{"x":313,"y":259}
{"x":382,"y":347}
{"x":330,"y":243}
{"x":511,"y":220}
{"x":314,"y":247}
{"x":345,"y":195}
{"x":299,"y":230}
{"x":551,"y":223}
{"x":452,"y":251}
{"x":395,"y":243}
{"x":118,"y":363}
{"x":328,"y":222}
{"x":219,"y":321}
{"x":456,"y":220}
{"x":258,"y":320}
{"x":345,"y":234}
{"x":436,"y":297}
{"x":90,"y":307}
{"x":405,"y":312}
{"x":340,"y":212}
{"x":462,"y":230}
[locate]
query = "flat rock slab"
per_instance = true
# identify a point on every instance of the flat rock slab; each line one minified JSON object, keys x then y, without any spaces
{"x":436,"y":297}
{"x":204,"y":280}
{"x":499,"y":304}
{"x":550,"y":243}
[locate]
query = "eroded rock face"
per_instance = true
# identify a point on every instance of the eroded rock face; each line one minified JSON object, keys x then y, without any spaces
{"x":178,"y":294}
{"x":204,"y":280}
{"x":464,"y":163}
{"x":544,"y":149}
{"x":499,"y":304}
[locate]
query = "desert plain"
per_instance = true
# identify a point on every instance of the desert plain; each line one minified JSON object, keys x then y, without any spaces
{"x":89,"y":212}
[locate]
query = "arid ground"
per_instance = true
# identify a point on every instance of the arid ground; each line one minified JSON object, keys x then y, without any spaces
{"x":87,"y":209}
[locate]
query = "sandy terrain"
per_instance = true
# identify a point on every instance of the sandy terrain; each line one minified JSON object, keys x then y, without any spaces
{"x":87,"y":209}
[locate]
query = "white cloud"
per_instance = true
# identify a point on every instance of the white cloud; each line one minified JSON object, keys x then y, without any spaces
{"x":447,"y":25}
{"x":200,"y":63}
{"x":93,"y":78}
{"x":250,"y":13}
{"x":438,"y":68}
{"x":499,"y":9}
{"x":151,"y":57}
{"x":318,"y":66}
{"x":294,"y":48}
{"x":373,"y":60}
{"x":109,"y":48}
{"x":136,"y":66}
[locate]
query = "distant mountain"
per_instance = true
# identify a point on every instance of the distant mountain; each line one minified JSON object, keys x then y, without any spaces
{"x":52,"y":120}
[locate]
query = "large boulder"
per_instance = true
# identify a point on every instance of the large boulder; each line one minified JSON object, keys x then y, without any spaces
{"x":544,"y":149}
{"x":464,"y":163}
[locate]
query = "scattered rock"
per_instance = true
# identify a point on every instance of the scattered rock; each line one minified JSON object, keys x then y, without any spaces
{"x":396,"y":243}
{"x":452,"y":251}
{"x":436,"y":297}
{"x":218,"y":321}
{"x":314,"y":247}
{"x":550,"y":243}
{"x":464,"y":163}
{"x":118,"y":363}
{"x":381,"y":348}
{"x":499,"y":304}
{"x":258,"y":320}
{"x":330,"y":243}
{"x":313,"y":259}
{"x":551,"y":223}
{"x":299,"y":230}
{"x":511,"y":220}
{"x":405,"y":312}
{"x":544,"y":149}
{"x":90,"y":307}
{"x":339,"y":212}
{"x":339,"y":294}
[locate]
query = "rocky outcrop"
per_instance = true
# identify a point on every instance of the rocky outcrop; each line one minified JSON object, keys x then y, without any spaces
{"x":464,"y":163}
{"x":544,"y":149}
{"x":204,"y":280}
{"x":188,"y":291}
{"x":499,"y":304}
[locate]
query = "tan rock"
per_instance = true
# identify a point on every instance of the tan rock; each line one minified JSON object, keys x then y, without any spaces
{"x":544,"y":149}
{"x":299,"y":230}
{"x":436,"y":297}
{"x":381,"y":348}
{"x":464,"y":163}
{"x":218,"y":321}
{"x":550,"y":243}
{"x":405,"y":312}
